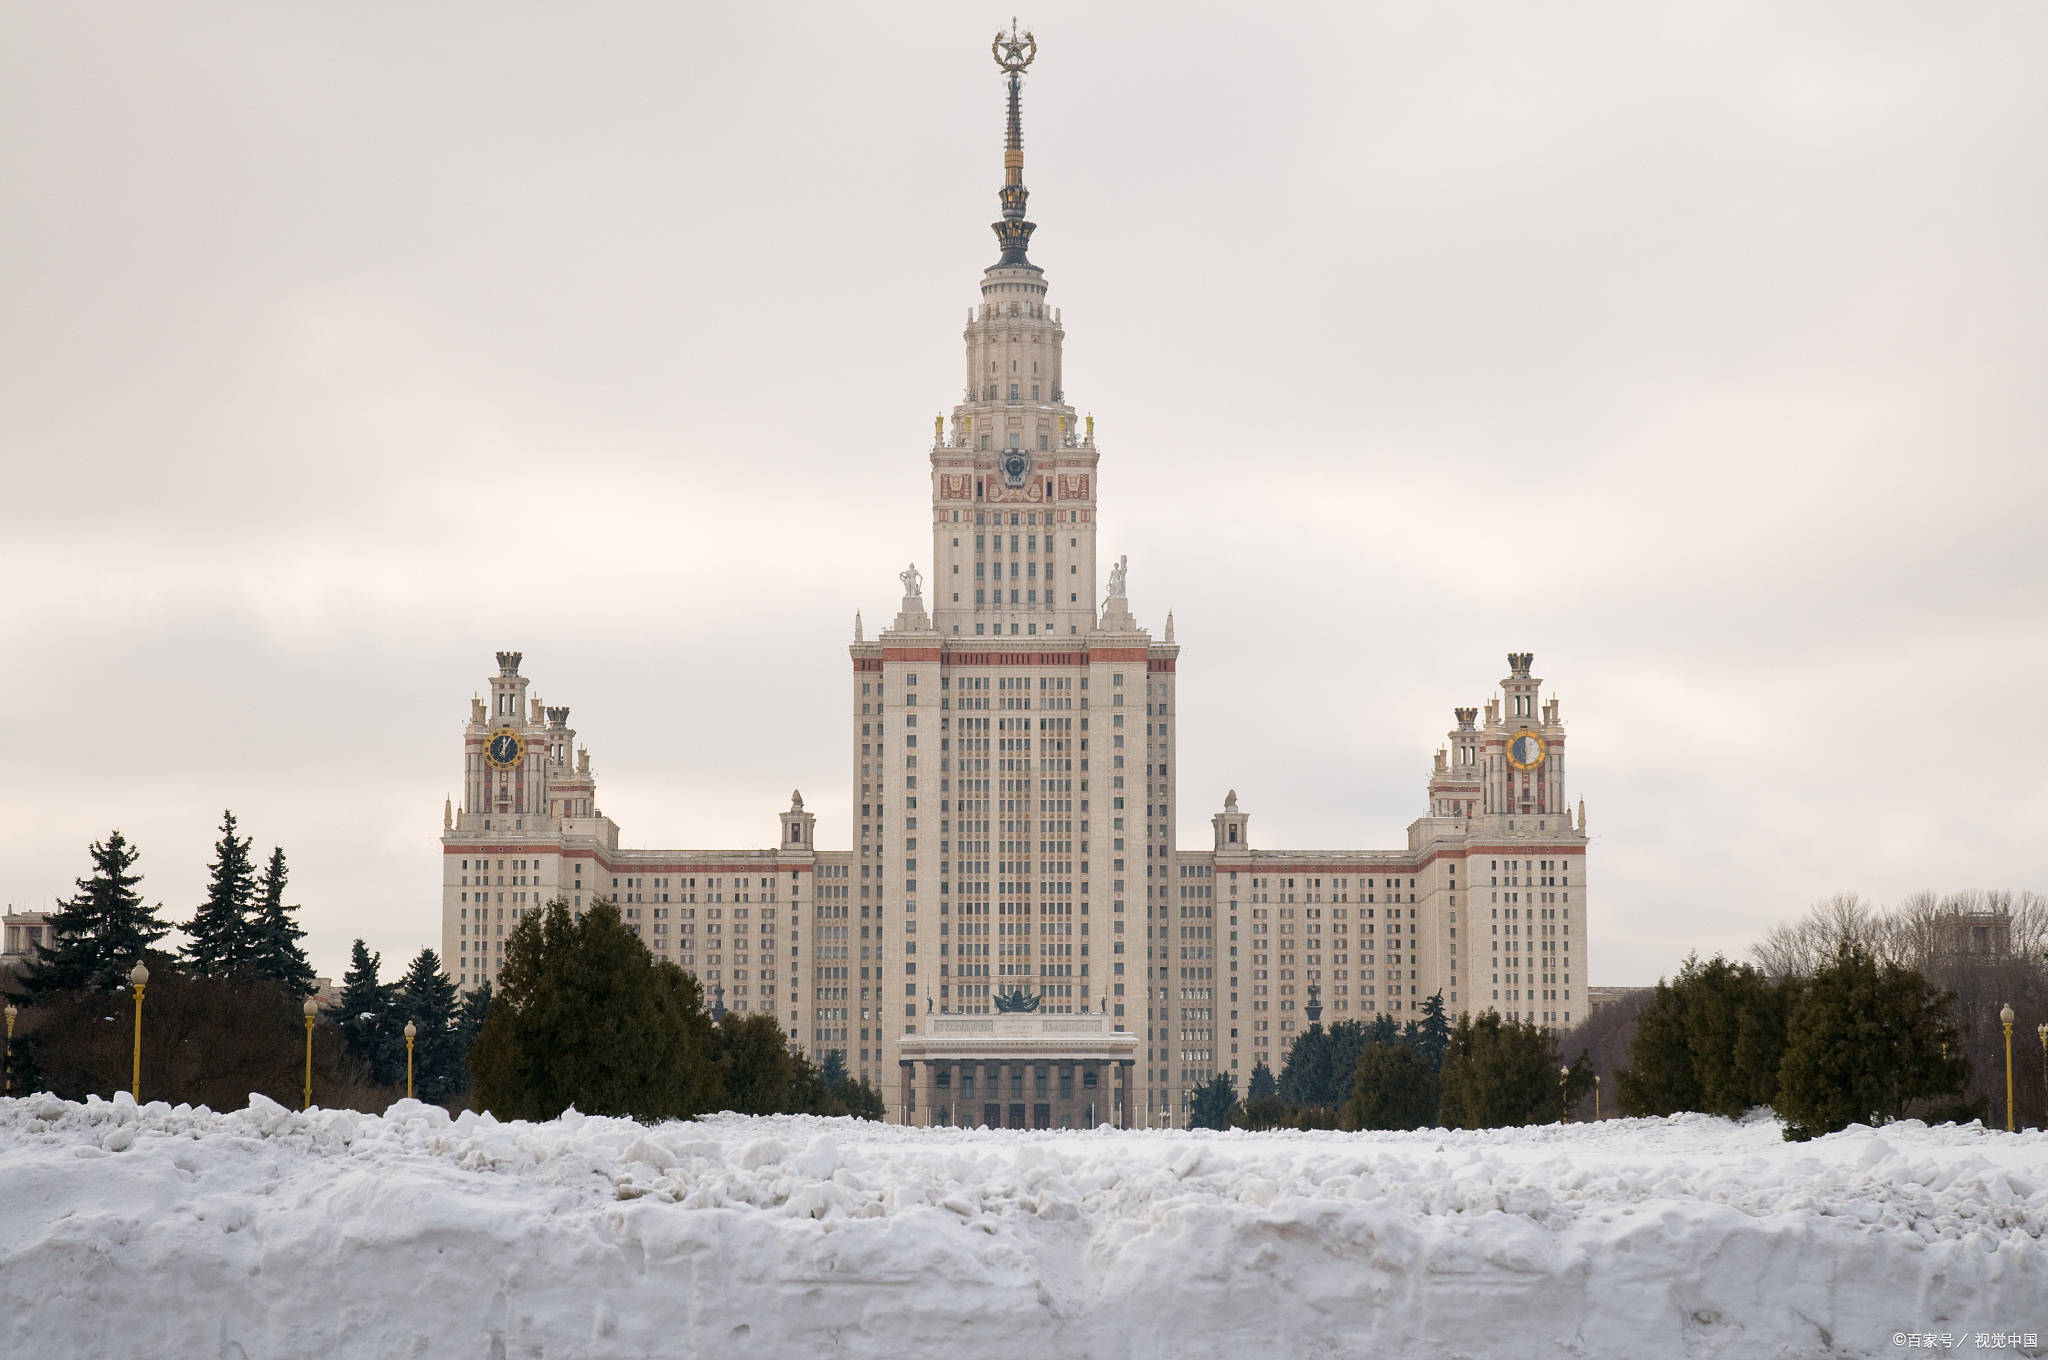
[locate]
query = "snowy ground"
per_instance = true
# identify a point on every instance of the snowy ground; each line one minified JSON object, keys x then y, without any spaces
{"x":264,"y":1233}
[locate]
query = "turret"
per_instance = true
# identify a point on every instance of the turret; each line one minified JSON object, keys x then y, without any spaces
{"x":798,"y":826}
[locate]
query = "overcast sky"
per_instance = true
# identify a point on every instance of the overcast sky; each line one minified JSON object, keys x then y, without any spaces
{"x":1697,"y":349}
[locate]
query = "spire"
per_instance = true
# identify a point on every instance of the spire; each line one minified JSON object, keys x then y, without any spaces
{"x":1013,"y":54}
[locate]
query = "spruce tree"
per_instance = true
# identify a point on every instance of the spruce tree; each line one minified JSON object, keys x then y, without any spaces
{"x":1262,"y":1085}
{"x":1865,"y":1041}
{"x":585,"y":1016}
{"x":470,"y":1014}
{"x":426,"y":998}
{"x":755,"y":1063}
{"x":1393,"y":1089}
{"x":1305,"y":1076}
{"x":275,"y":935}
{"x":1735,"y":1031}
{"x":1433,"y":1035}
{"x":1212,"y":1101}
{"x":364,"y":1017}
{"x":222,"y":936}
{"x":1498,"y":1074}
{"x":100,"y":933}
{"x":1659,"y":1077}
{"x":833,"y":1070}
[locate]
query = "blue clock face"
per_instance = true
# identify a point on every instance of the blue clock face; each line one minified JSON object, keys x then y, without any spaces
{"x":1525,"y":750}
{"x":504,"y":749}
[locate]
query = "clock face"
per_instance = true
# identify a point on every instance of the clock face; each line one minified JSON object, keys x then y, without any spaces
{"x":1526,"y":750}
{"x":504,"y":749}
{"x":1015,"y":464}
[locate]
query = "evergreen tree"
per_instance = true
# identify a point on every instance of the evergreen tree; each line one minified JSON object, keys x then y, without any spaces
{"x":1735,"y":1031}
{"x":1305,"y":1077}
{"x":1865,"y":1041}
{"x":834,"y":1069}
{"x":585,"y":1016}
{"x":1210,"y":1105}
{"x":1262,"y":1085}
{"x":1711,"y":1039}
{"x":1433,"y":1035}
{"x":470,"y":1015}
{"x":860,"y":1099}
{"x":275,"y":936}
{"x":1393,"y":1089}
{"x":100,"y":933}
{"x":222,"y":935}
{"x":1499,"y":1074}
{"x":1659,"y":1077}
{"x":1383,"y":1030}
{"x":755,"y":1063}
{"x":364,"y":1017}
{"x":426,"y":998}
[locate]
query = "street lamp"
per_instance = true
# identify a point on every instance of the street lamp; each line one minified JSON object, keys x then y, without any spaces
{"x":310,"y":1009}
{"x":411,"y":1032}
{"x":1596,"y":1097}
{"x":7,"y":1087}
{"x":2005,"y":1016}
{"x":139,"y":977}
{"x":1564,"y":1104}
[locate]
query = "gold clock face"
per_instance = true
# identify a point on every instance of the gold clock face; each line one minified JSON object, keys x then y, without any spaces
{"x":504,"y":749}
{"x":1526,"y":750}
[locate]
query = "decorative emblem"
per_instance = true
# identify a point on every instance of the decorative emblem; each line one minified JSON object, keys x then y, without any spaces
{"x":1013,"y":54}
{"x":504,"y":749}
{"x":1015,"y":465}
{"x":1526,"y":750}
{"x":1016,"y":1000}
{"x":956,"y":486}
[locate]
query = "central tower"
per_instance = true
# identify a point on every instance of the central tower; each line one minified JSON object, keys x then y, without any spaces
{"x":1013,"y":749}
{"x":1014,"y":477}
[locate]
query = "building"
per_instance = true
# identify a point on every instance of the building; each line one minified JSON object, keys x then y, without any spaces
{"x":21,"y":932}
{"x":1013,"y":771}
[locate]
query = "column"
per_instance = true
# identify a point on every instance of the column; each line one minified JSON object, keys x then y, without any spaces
{"x":904,"y":1066}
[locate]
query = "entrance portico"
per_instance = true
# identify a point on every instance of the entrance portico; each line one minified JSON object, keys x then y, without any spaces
{"x":1015,"y":1071}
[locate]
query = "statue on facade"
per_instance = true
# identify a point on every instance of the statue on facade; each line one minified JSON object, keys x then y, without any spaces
{"x":912,"y":582}
{"x":1116,"y":577}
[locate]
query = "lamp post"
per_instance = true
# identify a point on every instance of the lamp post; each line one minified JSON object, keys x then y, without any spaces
{"x":2005,"y":1016}
{"x":7,"y":1087}
{"x":138,"y":976}
{"x":310,"y":1009}
{"x":1564,"y":1102}
{"x":411,"y":1032}
{"x":1596,"y":1097}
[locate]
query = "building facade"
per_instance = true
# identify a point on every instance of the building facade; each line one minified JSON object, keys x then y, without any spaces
{"x":1012,"y":745}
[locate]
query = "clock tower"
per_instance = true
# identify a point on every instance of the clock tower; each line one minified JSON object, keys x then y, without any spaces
{"x":1014,"y":477}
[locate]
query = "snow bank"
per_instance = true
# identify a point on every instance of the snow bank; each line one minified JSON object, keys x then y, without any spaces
{"x":169,"y":1232}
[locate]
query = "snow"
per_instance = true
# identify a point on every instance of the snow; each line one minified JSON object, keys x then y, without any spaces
{"x":168,"y":1232}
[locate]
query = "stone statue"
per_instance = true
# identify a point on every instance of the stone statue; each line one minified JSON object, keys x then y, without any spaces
{"x":911,"y":581}
{"x":1116,"y":577}
{"x":796,"y":800}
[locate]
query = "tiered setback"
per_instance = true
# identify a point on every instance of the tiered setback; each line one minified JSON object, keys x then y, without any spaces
{"x":182,"y":1232}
